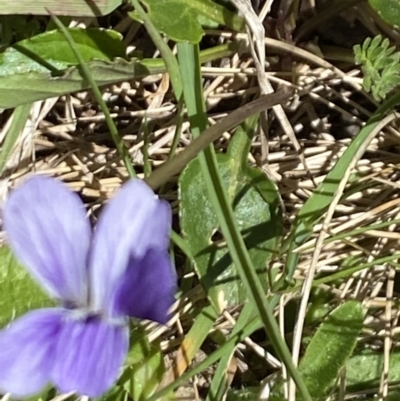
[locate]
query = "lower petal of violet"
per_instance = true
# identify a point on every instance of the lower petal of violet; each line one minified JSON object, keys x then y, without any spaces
{"x":89,"y":355}
{"x":147,"y":289}
{"x":27,"y":352}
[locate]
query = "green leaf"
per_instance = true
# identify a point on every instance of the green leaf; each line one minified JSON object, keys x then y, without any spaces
{"x":180,"y":26}
{"x":23,"y":80}
{"x":364,"y":369}
{"x":19,"y":293}
{"x":256,"y":205}
{"x":37,"y":68}
{"x":331,"y":347}
{"x":33,"y":82}
{"x":59,"y":7}
{"x":380,"y":65}
{"x":51,"y":51}
{"x":184,"y":25}
{"x":388,"y":10}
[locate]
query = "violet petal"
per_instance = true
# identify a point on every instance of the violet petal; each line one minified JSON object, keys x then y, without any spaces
{"x":27,"y":352}
{"x":48,"y":230}
{"x":89,"y":354}
{"x":130,"y":224}
{"x":147,"y":289}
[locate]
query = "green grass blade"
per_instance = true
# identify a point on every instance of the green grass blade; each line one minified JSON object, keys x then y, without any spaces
{"x":192,"y":342}
{"x":219,"y":385}
{"x":19,"y":119}
{"x":251,"y":326}
{"x":97,"y":93}
{"x":193,"y":93}
{"x":318,"y":203}
{"x":254,"y":323}
{"x":165,"y":51}
{"x":176,"y":164}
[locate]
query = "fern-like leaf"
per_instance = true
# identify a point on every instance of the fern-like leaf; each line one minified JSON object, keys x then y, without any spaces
{"x":380,"y":64}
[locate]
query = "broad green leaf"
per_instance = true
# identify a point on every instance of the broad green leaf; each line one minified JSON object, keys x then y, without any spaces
{"x":39,"y":67}
{"x":35,"y":83}
{"x":256,"y":205}
{"x":145,"y":366}
{"x":331,"y":347}
{"x":389,"y":10}
{"x":103,"y":44}
{"x":51,"y":51}
{"x":77,"y":8}
{"x":364,"y":369}
{"x":23,"y":80}
{"x":19,"y":293}
{"x":179,"y":19}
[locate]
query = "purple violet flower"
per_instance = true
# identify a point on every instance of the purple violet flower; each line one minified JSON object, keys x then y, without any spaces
{"x":122,"y":269}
